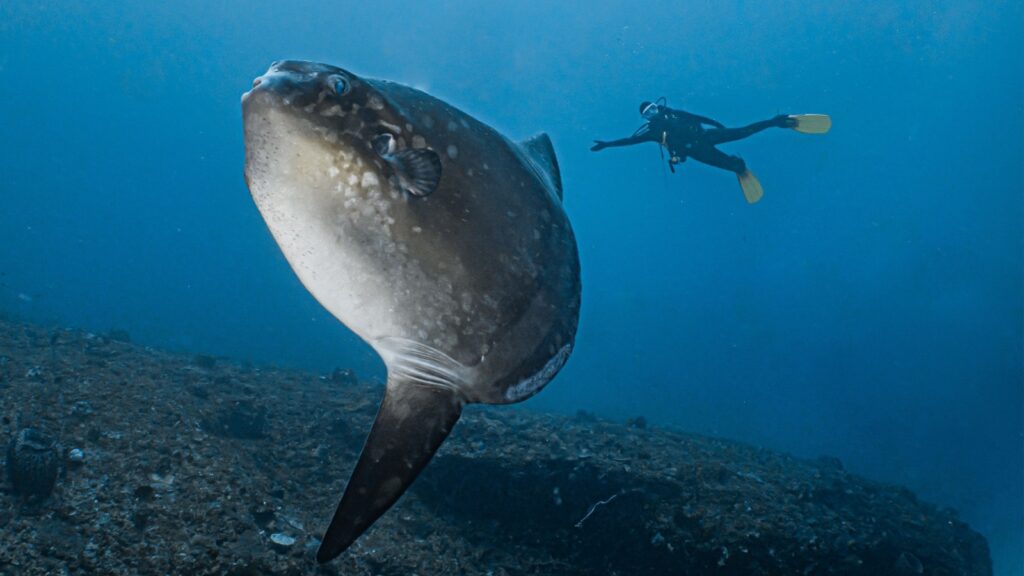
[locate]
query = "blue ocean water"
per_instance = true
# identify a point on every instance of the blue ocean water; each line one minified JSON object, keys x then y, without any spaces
{"x":870,"y":307}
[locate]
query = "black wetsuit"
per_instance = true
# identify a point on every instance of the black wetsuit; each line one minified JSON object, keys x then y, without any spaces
{"x":684,"y":135}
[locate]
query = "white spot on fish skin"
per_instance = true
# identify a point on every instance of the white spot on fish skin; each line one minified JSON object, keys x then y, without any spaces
{"x":333,"y":171}
{"x":393,"y":127}
{"x":375,"y":103}
{"x":486,"y":167}
{"x":332,"y":111}
{"x":453,"y":152}
{"x":408,"y":127}
{"x":417,"y":229}
{"x":428,"y":122}
{"x":452,"y":126}
{"x":369,"y":179}
{"x":419,"y":142}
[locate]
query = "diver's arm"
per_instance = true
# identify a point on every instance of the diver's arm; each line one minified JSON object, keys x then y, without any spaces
{"x":645,"y":136}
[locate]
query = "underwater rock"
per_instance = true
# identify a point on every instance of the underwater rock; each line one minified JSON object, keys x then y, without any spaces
{"x":199,"y":391}
{"x":907,"y":563}
{"x":76,"y":456}
{"x":144,"y":492}
{"x":242,"y":419}
{"x":585,"y":416}
{"x":263,"y":515}
{"x":637,"y":422}
{"x":281,"y":542}
{"x":100,"y":347}
{"x":33,"y":463}
{"x":167,"y":488}
{"x":118,"y":335}
{"x":205,"y":362}
{"x":81,"y":409}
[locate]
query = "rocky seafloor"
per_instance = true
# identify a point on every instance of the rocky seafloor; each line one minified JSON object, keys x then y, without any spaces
{"x":194,"y":465}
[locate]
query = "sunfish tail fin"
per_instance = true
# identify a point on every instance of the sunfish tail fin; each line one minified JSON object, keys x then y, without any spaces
{"x":411,"y":424}
{"x":811,"y":123}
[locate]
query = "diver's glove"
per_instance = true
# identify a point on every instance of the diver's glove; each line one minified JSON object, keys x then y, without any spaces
{"x":598,"y":145}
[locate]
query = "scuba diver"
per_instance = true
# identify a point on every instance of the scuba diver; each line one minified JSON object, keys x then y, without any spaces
{"x":684,"y":136}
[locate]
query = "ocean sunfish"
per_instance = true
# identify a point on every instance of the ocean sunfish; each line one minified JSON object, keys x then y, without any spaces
{"x":434,"y":238}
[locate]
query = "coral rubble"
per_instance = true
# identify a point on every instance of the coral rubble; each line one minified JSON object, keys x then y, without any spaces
{"x":198,"y":466}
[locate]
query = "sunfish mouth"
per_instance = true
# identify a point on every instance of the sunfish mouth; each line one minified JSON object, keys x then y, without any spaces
{"x":256,"y":83}
{"x":291,"y":80}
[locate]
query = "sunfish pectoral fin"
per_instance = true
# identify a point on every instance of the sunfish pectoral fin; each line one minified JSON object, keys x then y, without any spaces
{"x":419,"y":170}
{"x":411,"y":424}
{"x":541,"y":152}
{"x":811,"y":123}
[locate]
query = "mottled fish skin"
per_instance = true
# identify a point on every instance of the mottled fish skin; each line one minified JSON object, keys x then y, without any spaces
{"x":484,"y":271}
{"x":472,"y":291}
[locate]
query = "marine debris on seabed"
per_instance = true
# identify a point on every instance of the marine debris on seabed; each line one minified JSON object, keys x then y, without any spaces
{"x":200,"y":467}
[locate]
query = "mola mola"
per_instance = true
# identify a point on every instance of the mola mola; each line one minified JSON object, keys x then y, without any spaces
{"x":434,"y":238}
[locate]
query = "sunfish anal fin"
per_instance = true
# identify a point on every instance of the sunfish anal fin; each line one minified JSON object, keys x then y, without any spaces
{"x":411,"y":424}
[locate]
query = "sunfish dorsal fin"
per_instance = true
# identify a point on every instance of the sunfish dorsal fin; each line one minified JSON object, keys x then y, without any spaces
{"x":541,"y":152}
{"x":411,"y":424}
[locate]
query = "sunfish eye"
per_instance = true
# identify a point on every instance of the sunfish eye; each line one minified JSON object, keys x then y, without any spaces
{"x":383,"y":144}
{"x":339,"y":84}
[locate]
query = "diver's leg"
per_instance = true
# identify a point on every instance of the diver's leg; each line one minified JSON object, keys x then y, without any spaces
{"x":714,"y":157}
{"x":721,"y":135}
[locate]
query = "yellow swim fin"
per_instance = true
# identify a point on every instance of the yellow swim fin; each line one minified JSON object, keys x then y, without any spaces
{"x":752,"y":190}
{"x":812,"y":123}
